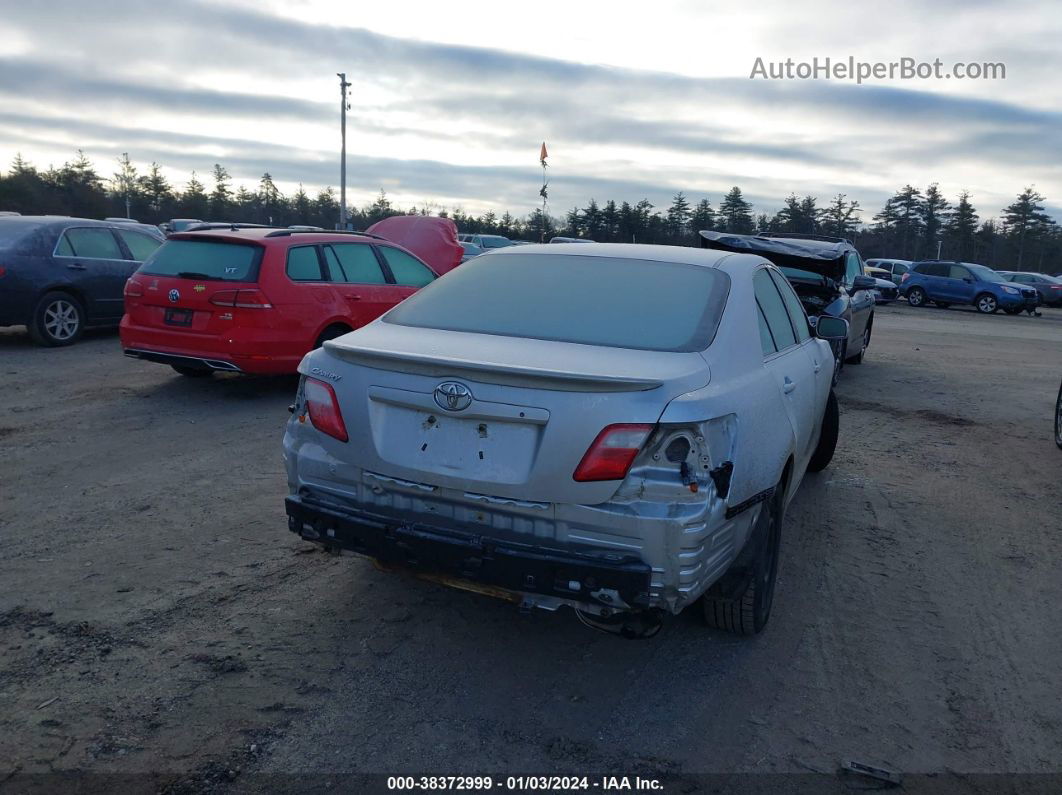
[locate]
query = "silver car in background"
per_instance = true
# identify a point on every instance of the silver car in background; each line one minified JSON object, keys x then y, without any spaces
{"x":616,"y":428}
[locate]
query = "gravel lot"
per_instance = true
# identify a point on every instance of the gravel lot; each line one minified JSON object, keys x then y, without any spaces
{"x":157,"y":619}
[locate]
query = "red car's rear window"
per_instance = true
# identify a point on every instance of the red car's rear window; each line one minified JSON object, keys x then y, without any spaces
{"x":206,"y":259}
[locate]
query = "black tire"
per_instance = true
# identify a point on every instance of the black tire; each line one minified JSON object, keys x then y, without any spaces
{"x":58,"y":319}
{"x":831,"y":423}
{"x":330,"y":333}
{"x":858,"y":358}
{"x":740,"y":602}
{"x":986,"y":304}
{"x":1058,"y":418}
{"x":916,"y":296}
{"x":192,"y":372}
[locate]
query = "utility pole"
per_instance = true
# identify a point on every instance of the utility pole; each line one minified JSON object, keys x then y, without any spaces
{"x":344,"y":106}
{"x":125,"y":155}
{"x":939,"y":242}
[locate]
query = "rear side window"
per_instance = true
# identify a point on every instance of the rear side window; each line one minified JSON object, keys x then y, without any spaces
{"x":609,"y":301}
{"x":90,"y":243}
{"x":766,"y":340}
{"x":206,"y":259}
{"x":355,"y":263}
{"x":774,"y":310}
{"x":408,"y":270}
{"x":303,"y":264}
{"x":140,"y":246}
{"x":796,"y":311}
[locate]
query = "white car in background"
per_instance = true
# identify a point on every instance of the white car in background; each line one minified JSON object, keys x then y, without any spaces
{"x":615,"y":428}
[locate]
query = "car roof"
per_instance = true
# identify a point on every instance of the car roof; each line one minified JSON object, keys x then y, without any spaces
{"x":278,"y":236}
{"x":682,"y":254}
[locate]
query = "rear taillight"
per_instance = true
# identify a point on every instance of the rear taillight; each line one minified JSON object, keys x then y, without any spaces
{"x":612,"y":453}
{"x":324,"y":408}
{"x":905,"y":277}
{"x":3,"y":271}
{"x":243,"y":299}
{"x":133,"y":289}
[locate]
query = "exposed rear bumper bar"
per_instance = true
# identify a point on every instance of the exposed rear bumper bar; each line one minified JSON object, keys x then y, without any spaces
{"x":182,"y":361}
{"x":571,"y":576}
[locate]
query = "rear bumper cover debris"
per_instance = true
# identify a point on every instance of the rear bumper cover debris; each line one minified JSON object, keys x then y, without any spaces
{"x":569,"y":576}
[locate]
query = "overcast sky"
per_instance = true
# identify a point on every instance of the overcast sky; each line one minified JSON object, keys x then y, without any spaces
{"x":450,"y":101}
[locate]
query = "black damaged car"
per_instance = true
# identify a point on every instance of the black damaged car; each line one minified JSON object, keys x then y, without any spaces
{"x":827,"y":274}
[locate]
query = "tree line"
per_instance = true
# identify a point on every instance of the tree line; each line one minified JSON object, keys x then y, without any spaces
{"x":914,"y":223}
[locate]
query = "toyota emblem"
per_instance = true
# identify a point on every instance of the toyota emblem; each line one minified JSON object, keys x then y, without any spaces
{"x":174,"y":296}
{"x":453,"y":396}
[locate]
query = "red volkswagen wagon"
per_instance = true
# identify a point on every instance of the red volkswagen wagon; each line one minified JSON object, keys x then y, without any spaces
{"x":257,"y":300}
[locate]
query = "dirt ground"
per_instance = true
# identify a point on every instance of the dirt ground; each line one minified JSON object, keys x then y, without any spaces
{"x":158,"y":621}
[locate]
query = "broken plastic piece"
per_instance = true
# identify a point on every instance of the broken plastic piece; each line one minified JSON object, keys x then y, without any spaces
{"x":879,"y":773}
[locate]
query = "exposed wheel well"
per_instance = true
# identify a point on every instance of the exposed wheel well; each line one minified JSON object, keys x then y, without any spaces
{"x":64,"y":288}
{"x":332,"y":331}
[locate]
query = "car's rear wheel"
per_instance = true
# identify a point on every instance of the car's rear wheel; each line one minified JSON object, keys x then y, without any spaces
{"x":1058,"y":418}
{"x":916,"y":296}
{"x":831,"y":423}
{"x":192,"y":372}
{"x":864,"y":344}
{"x":986,"y":304}
{"x":330,"y":333}
{"x":741,"y":601}
{"x":58,"y":319}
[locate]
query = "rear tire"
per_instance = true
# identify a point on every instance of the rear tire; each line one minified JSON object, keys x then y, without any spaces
{"x":58,"y":319}
{"x":192,"y":372}
{"x":330,"y":333}
{"x":986,"y":304}
{"x":916,"y":296}
{"x":744,"y":610}
{"x":831,"y":423}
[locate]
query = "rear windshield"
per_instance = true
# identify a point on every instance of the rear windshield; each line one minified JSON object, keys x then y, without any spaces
{"x":205,"y":259}
{"x":608,"y":301}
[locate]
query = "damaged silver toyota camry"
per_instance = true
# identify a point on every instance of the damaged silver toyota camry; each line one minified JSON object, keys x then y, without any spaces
{"x":615,"y":428}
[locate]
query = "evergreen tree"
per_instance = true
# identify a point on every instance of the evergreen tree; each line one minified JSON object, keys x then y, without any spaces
{"x":593,"y":223}
{"x":907,"y":204}
{"x":125,"y":185}
{"x":841,"y":218}
{"x":736,"y":213}
{"x":1025,"y":219}
{"x":932,"y":213}
{"x":703,"y":216}
{"x":156,"y":189}
{"x":268,"y":200}
{"x":194,"y":199}
{"x":678,"y":217}
{"x":221,"y":196}
{"x":959,"y":229}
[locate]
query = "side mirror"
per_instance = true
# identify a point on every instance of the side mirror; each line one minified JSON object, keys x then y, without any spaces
{"x":828,"y":327}
{"x":863,"y":283}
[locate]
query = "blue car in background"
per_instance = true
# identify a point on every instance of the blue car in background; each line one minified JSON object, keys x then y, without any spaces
{"x":946,"y":283}
{"x":59,"y":275}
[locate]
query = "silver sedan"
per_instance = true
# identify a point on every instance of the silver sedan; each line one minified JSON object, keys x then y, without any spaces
{"x":613,"y":428}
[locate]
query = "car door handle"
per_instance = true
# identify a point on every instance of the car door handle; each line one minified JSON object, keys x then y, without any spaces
{"x":76,"y":266}
{"x":788,"y":385}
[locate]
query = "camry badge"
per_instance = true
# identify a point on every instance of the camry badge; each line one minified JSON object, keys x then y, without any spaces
{"x":174,"y":296}
{"x":453,"y":396}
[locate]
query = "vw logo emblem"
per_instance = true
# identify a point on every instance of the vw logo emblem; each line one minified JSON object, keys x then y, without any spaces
{"x":453,"y":396}
{"x":174,"y":296}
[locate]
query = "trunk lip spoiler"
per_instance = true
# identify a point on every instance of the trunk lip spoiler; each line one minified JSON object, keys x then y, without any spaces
{"x":447,"y":366}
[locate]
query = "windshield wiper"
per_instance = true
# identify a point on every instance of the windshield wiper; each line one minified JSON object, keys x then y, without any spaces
{"x":196,"y":275}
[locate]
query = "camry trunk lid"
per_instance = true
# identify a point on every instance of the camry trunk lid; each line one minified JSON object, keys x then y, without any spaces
{"x":493,"y":416}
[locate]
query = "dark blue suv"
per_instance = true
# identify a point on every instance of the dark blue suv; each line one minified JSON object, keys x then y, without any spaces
{"x":947,"y":283}
{"x":59,"y":275}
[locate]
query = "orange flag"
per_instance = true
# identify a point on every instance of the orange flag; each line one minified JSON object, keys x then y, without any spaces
{"x":543,"y":154}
